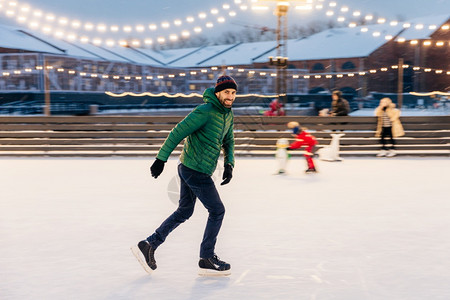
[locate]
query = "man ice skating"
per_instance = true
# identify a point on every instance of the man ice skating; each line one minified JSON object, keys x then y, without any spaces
{"x":207,"y":129}
{"x":303,"y":138}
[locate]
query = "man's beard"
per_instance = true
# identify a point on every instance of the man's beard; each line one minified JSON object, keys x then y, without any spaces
{"x":224,"y":103}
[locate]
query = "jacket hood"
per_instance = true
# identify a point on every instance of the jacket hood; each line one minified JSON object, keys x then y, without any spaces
{"x":210,"y":97}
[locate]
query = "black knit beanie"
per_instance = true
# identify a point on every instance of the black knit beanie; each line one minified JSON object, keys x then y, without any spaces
{"x":225,"y":82}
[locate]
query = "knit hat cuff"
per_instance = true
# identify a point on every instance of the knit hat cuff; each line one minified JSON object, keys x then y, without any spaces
{"x":225,"y":82}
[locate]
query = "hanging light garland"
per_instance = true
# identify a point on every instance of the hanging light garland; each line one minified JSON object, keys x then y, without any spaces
{"x":434,"y":93}
{"x":124,"y":94}
{"x":75,"y":30}
{"x":89,"y":32}
{"x":341,"y":15}
{"x":191,"y":95}
{"x":213,"y":70}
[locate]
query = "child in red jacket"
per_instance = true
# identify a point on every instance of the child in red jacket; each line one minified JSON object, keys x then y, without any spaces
{"x":303,"y":138}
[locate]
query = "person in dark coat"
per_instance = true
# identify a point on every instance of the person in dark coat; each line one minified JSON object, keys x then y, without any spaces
{"x":339,"y":106}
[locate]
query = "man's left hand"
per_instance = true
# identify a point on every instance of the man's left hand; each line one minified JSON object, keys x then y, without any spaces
{"x":227,"y":174}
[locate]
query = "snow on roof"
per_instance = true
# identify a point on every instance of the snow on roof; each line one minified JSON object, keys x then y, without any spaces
{"x":133,"y":55}
{"x":173,"y":55}
{"x":85,"y":49}
{"x":339,"y":43}
{"x":201,"y":56}
{"x":80,"y":50}
{"x":18,"y":38}
{"x":15,"y":38}
{"x":358,"y":41}
{"x":157,"y":57}
{"x":241,"y":54}
{"x":424,"y":27}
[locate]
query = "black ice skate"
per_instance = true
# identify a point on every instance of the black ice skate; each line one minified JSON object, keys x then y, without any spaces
{"x":281,"y":171}
{"x":311,"y":170}
{"x":213,"y":266}
{"x":145,"y":254}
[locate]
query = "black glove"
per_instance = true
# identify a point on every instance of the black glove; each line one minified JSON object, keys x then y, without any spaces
{"x":157,"y":168}
{"x":289,"y":148}
{"x":227,"y":174}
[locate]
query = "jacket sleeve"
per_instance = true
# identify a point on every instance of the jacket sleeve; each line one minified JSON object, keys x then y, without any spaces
{"x":395,"y":114}
{"x":296,"y":145}
{"x":299,"y":141}
{"x":191,"y":123}
{"x":228,"y":146}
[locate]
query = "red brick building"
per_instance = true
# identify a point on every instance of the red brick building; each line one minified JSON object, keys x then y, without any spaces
{"x":364,"y":59}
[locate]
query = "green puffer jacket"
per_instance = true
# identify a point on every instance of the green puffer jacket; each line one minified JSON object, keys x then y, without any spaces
{"x":208,"y":128}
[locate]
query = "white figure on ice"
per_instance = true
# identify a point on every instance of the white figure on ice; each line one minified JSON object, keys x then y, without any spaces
{"x":282,"y":155}
{"x":331,"y":152}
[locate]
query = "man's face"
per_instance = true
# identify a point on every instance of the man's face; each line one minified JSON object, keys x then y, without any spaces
{"x":226,"y":97}
{"x":334,"y":97}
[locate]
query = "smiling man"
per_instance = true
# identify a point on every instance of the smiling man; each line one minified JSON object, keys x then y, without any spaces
{"x":207,"y":129}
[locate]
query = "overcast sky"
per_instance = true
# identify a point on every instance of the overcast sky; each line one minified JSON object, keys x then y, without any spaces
{"x":129,"y":11}
{"x":134,"y":12}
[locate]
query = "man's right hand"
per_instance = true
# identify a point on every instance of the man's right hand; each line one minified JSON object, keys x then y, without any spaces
{"x":157,"y":168}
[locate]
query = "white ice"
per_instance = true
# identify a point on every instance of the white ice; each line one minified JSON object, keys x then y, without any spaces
{"x":364,"y":228}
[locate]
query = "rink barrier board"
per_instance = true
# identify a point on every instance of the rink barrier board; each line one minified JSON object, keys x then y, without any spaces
{"x":254,"y":135}
{"x":163,"y":134}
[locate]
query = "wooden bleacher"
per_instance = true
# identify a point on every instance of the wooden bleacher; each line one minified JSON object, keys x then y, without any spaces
{"x":254,"y":135}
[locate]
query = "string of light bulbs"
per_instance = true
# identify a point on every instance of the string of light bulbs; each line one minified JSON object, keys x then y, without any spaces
{"x":75,"y":30}
{"x":12,"y":8}
{"x":190,"y":95}
{"x":332,"y":9}
{"x":193,"y":72}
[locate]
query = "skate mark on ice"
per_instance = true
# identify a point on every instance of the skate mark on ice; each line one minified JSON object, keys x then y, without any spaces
{"x":238,"y":281}
{"x":281,"y":277}
{"x":320,"y":266}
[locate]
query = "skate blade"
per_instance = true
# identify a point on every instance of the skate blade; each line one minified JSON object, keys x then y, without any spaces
{"x":140,"y":257}
{"x":282,"y":173}
{"x":213,"y":273}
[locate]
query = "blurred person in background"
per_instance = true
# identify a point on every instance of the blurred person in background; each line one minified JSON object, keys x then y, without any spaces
{"x":339,"y":106}
{"x":388,"y":126}
{"x":303,"y":138}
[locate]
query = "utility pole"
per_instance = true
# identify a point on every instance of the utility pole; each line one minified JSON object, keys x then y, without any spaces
{"x":47,"y":111}
{"x":281,"y":59}
{"x":400,"y":83}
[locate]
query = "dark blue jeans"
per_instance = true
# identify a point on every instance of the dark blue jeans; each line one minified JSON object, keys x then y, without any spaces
{"x":194,"y":185}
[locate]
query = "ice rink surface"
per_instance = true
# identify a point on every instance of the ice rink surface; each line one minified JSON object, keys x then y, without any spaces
{"x":365,"y":228}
